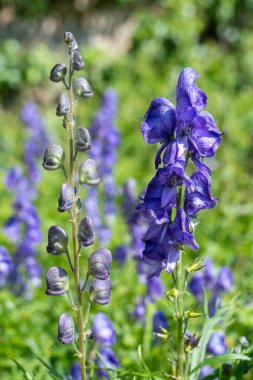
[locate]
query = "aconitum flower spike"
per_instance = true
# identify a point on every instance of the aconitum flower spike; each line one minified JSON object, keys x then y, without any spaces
{"x":58,"y":72}
{"x":65,"y":329}
{"x":57,"y":240}
{"x":103,"y":330}
{"x":63,"y":105}
{"x":77,"y":61}
{"x":82,"y":88}
{"x":82,"y":140}
{"x":57,"y":281}
{"x":53,"y":157}
{"x":85,"y":232}
{"x":100,"y":291}
{"x":100,"y":263}
{"x":65,"y":200}
{"x":88,"y":173}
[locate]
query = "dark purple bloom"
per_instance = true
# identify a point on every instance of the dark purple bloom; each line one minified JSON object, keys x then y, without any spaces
{"x":6,"y":265}
{"x":205,"y":371}
{"x":65,"y":329}
{"x":75,"y":372}
{"x":214,"y":303}
{"x":182,"y":231}
{"x":189,"y":91}
{"x":217,"y":344}
{"x":66,"y":198}
{"x":103,"y":330}
{"x":85,"y":232}
{"x":159,"y":320}
{"x":57,"y":240}
{"x":12,"y":228}
{"x":155,"y":289}
{"x":224,"y":280}
{"x":120,"y":254}
{"x":198,"y":194}
{"x":159,"y":121}
{"x":109,"y":361}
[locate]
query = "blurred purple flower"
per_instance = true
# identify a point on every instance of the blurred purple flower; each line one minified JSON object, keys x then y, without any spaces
{"x":159,"y":320}
{"x":217,"y":344}
{"x":109,"y":360}
{"x":5,"y":265}
{"x":103,"y":330}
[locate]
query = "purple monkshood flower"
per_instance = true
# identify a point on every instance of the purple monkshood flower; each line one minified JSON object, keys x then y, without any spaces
{"x":159,"y":320}
{"x":23,"y":227}
{"x":223,"y":282}
{"x":109,"y":360}
{"x":205,"y":371}
{"x":217,"y":344}
{"x":103,"y":330}
{"x":196,"y":130}
{"x":105,"y":140}
{"x":185,"y":132}
{"x":5,"y":265}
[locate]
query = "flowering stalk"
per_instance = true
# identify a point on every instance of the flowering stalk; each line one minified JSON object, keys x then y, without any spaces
{"x":82,"y":233}
{"x":185,"y":132}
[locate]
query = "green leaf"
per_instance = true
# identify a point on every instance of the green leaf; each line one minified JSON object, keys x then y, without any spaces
{"x":142,"y":360}
{"x":51,"y":371}
{"x":27,"y":375}
{"x":214,"y":360}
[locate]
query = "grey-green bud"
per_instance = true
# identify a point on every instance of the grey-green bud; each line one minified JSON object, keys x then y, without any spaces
{"x":82,"y":140}
{"x":88,"y":173}
{"x":100,"y":263}
{"x":69,"y":37}
{"x":57,"y":240}
{"x":53,"y":157}
{"x":100,"y":291}
{"x":77,"y":61}
{"x":57,"y":281}
{"x":82,"y":88}
{"x":66,"y":198}
{"x":85,"y":232}
{"x":58,"y":72}
{"x":63,"y":105}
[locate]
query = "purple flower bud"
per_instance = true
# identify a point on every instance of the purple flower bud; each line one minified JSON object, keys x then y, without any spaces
{"x":58,"y":72}
{"x":82,"y":140}
{"x":82,"y":88}
{"x":85,"y":232}
{"x":57,"y":281}
{"x":100,"y":291}
{"x":100,"y":263}
{"x":68,"y":37}
{"x":77,"y":61}
{"x":53,"y":157}
{"x":63,"y":105}
{"x":57,"y":240}
{"x":88,"y":173}
{"x":66,"y":198}
{"x":65,"y":329}
{"x":103,"y":330}
{"x":217,"y":344}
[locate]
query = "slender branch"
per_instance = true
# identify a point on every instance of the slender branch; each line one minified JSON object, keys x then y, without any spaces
{"x":71,"y":301}
{"x":87,"y":313}
{"x":64,"y":172}
{"x":69,"y":261}
{"x":85,"y":283}
{"x":79,"y":311}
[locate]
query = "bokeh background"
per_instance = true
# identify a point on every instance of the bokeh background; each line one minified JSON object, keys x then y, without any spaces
{"x":138,"y":48}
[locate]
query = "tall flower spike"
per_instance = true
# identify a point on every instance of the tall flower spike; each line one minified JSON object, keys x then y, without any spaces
{"x":57,"y":281}
{"x":65,"y":329}
{"x":57,"y":240}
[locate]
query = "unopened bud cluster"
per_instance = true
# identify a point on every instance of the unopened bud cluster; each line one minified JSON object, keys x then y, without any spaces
{"x":99,"y":262}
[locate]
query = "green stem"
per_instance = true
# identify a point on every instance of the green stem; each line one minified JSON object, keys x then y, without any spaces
{"x":69,"y":261}
{"x":79,"y":311}
{"x":180,"y":316}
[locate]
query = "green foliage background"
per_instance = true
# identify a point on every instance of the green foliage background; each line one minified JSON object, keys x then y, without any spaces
{"x":215,"y":37}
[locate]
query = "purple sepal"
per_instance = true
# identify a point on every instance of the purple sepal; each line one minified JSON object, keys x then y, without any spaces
{"x":217,"y":345}
{"x":65,"y":329}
